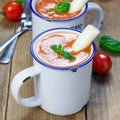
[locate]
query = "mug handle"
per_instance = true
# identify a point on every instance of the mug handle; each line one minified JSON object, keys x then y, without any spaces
{"x":17,"y":83}
{"x":99,"y":18}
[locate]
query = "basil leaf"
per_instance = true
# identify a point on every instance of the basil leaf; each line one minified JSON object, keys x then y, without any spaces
{"x":54,"y":47}
{"x":65,"y":54}
{"x":57,"y":49}
{"x":110,"y":44}
{"x":68,"y":55}
{"x":62,"y":7}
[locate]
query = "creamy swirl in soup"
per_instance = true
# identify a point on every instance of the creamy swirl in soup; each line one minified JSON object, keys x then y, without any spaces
{"x":45,"y":8}
{"x":66,"y":39}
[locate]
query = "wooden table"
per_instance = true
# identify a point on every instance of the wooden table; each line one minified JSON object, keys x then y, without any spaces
{"x":104,"y":102}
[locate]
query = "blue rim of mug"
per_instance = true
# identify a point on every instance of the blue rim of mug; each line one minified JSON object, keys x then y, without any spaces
{"x":48,"y":19}
{"x":60,"y":68}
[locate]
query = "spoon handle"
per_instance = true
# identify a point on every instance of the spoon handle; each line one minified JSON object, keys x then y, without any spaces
{"x":8,"y":53}
{"x":7,"y":42}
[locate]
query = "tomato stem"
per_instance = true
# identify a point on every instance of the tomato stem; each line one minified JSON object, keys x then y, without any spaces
{"x":20,"y":1}
{"x":2,"y":13}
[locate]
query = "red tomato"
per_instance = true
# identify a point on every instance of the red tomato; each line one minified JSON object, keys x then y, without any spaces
{"x":102,"y":63}
{"x":13,"y":10}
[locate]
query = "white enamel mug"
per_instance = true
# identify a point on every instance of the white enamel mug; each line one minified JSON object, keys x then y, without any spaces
{"x":41,"y":23}
{"x":60,"y":91}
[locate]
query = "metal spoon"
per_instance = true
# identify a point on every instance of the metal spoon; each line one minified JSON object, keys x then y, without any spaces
{"x":8,"y":52}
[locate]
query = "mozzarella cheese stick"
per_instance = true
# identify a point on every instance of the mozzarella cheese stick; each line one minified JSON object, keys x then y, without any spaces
{"x":77,"y":5}
{"x":85,"y":38}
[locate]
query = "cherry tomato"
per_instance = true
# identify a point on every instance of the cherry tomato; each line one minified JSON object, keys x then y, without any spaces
{"x":102,"y":63}
{"x":13,"y":10}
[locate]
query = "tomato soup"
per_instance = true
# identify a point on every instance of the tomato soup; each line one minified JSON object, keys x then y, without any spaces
{"x":45,"y":9}
{"x":66,"y":39}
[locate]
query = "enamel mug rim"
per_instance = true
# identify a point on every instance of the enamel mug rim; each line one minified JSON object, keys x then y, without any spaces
{"x":60,"y":68}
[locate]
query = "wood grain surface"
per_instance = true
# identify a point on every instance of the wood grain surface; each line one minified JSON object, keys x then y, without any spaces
{"x":104,"y":102}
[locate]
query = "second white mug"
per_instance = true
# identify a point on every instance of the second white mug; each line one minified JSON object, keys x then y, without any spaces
{"x":41,"y":23}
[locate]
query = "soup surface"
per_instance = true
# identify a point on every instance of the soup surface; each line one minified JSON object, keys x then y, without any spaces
{"x":46,"y":9}
{"x":66,"y":39}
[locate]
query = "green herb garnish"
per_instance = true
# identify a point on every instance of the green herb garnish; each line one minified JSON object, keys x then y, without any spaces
{"x":110,"y":44}
{"x":58,"y":49}
{"x":20,"y":1}
{"x":62,"y":6}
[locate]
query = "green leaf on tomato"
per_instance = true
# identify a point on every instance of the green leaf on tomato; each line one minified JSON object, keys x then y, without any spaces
{"x":20,"y":1}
